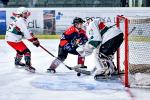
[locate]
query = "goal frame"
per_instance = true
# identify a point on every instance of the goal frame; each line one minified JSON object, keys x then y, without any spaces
{"x":126,"y":49}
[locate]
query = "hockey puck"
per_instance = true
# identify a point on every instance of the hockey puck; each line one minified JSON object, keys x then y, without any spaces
{"x":95,"y":77}
{"x":78,"y":74}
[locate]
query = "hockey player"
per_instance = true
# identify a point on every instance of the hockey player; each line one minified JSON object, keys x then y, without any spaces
{"x":70,"y":40}
{"x":106,"y":40}
{"x":16,"y":31}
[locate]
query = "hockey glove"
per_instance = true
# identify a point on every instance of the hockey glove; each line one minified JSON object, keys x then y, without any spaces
{"x":68,"y":47}
{"x":76,"y":43}
{"x":80,"y":41}
{"x":35,"y":42}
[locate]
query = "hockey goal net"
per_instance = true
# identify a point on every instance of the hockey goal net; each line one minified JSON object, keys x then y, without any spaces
{"x":133,"y":56}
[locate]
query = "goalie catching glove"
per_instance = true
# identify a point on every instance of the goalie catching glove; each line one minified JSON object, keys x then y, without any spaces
{"x":85,"y":50}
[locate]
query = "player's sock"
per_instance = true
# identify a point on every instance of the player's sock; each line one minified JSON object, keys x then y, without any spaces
{"x":81,"y":62}
{"x":18,"y":60}
{"x":53,"y":66}
{"x":28,"y":66}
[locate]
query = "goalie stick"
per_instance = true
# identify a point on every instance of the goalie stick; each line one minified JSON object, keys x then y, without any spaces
{"x":128,"y":33}
{"x":86,"y":72}
{"x":70,"y":68}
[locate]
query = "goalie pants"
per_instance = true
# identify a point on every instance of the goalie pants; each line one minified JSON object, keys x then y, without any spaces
{"x":111,"y":46}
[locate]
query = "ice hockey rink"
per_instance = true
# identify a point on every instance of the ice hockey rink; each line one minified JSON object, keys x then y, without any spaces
{"x":18,"y":84}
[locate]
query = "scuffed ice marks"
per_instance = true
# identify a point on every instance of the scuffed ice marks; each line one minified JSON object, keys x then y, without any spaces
{"x":70,"y":82}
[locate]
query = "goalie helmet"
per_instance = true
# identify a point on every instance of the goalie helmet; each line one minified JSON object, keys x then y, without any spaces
{"x":23,"y":12}
{"x":89,"y":18}
{"x":77,"y":20}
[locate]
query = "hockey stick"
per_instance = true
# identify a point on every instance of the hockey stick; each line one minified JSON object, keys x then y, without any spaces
{"x":86,"y":72}
{"x":132,"y":30}
{"x":70,"y":68}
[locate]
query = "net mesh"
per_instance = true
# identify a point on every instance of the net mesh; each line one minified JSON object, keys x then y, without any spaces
{"x":139,"y":50}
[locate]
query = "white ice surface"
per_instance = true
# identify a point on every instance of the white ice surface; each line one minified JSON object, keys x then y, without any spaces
{"x":17,"y":84}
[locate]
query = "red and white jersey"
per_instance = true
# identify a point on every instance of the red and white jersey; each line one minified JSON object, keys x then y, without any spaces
{"x":17,"y":30}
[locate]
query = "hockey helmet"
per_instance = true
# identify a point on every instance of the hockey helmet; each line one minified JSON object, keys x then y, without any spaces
{"x":22,"y":11}
{"x":77,"y":20}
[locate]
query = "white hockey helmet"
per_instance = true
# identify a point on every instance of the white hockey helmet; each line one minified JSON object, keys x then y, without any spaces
{"x":23,"y":11}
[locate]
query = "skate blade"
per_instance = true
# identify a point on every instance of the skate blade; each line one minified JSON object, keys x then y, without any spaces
{"x":102,"y":78}
{"x":51,"y":71}
{"x":82,"y":71}
{"x":30,"y":70}
{"x":83,"y":67}
{"x":19,"y":67}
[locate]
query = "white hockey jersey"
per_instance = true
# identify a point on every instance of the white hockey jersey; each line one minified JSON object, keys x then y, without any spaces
{"x":99,"y":33}
{"x":17,"y":30}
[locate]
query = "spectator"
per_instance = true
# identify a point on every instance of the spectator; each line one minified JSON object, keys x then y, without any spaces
{"x":123,"y":3}
{"x":5,"y":2}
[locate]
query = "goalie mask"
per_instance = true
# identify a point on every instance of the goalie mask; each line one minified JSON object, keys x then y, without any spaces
{"x":89,"y":19}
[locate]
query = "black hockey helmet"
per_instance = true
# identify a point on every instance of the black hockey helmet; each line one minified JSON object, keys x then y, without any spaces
{"x":78,"y":20}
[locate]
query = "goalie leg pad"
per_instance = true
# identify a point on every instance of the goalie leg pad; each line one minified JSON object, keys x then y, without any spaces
{"x":105,"y":67}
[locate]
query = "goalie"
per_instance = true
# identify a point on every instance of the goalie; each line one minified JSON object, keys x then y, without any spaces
{"x":106,"y":40}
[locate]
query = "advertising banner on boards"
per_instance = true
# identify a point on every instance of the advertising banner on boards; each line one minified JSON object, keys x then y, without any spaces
{"x":56,"y":20}
{"x":2,"y":22}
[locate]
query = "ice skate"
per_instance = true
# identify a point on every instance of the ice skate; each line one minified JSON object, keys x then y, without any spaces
{"x":80,"y":66}
{"x":30,"y":68}
{"x":18,"y":63}
{"x":53,"y":66}
{"x":50,"y":70}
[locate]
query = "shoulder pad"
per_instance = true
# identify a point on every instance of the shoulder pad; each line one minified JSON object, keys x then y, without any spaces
{"x":101,"y":25}
{"x":82,"y":31}
{"x":70,"y":30}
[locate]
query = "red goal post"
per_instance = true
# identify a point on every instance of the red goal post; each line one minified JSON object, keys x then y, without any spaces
{"x":126,"y":62}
